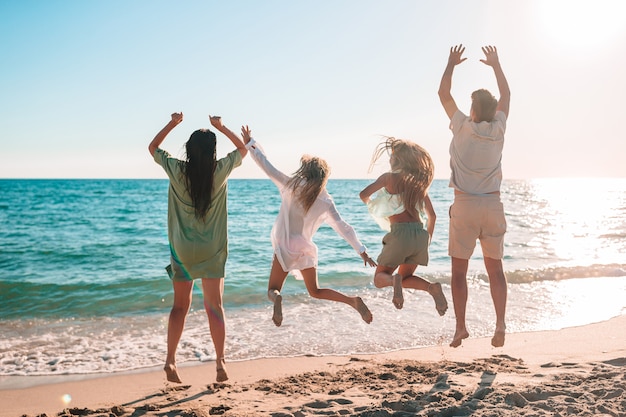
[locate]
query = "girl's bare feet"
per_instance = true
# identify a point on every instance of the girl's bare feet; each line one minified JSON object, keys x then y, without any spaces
{"x":277,"y":317}
{"x":398,"y":298}
{"x":221,"y":370}
{"x":365,"y":312}
{"x":171,"y":373}
{"x":441,"y":304}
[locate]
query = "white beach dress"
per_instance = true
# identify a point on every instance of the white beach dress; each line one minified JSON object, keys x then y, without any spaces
{"x":293,"y":230}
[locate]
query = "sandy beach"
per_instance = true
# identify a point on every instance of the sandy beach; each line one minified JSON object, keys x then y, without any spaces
{"x":574,"y":371}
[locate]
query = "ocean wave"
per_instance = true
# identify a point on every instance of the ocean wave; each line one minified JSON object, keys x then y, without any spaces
{"x":82,"y":262}
{"x":27,"y":300}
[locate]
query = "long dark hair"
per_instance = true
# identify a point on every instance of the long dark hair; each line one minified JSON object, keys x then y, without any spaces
{"x":199,"y":168}
{"x":309,"y":180}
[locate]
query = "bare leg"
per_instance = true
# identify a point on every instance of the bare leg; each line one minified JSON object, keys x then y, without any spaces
{"x":459,"y":299}
{"x":183,"y":291}
{"x":310,"y":280}
{"x":384,"y":277}
{"x":498,"y":287}
{"x":410,"y":280}
{"x":213,"y":288}
{"x":405,"y":278}
{"x":274,"y":286}
{"x":398,"y":295}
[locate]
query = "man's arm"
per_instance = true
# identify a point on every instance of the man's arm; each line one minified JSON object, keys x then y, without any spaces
{"x":491,"y":59}
{"x":216,"y":121}
{"x":445,"y":87}
{"x":160,"y":137}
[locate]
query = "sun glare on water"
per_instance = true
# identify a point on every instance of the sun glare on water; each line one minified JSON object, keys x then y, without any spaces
{"x":578,"y":23}
{"x":578,"y":213}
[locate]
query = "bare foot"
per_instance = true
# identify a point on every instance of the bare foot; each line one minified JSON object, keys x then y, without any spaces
{"x":498,"y":337}
{"x":171,"y":373}
{"x":398,"y":298}
{"x":277,"y":318}
{"x":458,"y":338}
{"x":441,"y":304}
{"x":221,"y":370}
{"x":365,"y":312}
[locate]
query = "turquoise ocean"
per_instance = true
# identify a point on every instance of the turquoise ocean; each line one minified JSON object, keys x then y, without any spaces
{"x":83,"y":289}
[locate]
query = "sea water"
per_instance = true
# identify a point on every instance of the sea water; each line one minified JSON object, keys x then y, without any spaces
{"x":83,"y":288}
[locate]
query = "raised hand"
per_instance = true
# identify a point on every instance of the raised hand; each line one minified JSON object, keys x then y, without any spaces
{"x":456,"y":53}
{"x":246,"y":133}
{"x":177,"y":118}
{"x":160,"y":137}
{"x":491,"y":56}
{"x":216,"y":121}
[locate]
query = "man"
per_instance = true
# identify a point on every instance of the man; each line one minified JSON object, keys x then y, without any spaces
{"x":477,"y":212}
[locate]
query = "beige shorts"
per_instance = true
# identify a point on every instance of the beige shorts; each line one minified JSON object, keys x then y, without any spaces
{"x":477,"y":217}
{"x":407,"y":243}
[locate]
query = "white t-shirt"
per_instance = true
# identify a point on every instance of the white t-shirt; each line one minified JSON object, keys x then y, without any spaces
{"x":476,"y":153}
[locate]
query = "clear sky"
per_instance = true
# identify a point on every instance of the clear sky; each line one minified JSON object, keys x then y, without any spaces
{"x":85,"y":85}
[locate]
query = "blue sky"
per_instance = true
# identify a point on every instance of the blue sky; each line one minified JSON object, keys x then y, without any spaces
{"x":85,"y":85}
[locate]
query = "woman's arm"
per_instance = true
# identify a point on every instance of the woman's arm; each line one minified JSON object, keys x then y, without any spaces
{"x":343,"y":229}
{"x":373,"y":187}
{"x":430,"y":214}
{"x":160,"y":137}
{"x":216,"y":121}
{"x":257,"y":154}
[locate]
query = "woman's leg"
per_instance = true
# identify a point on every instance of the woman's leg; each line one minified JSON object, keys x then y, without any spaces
{"x":183,"y":291}
{"x":310,"y":280}
{"x":384,"y":277}
{"x":410,"y":280}
{"x":274,"y":286}
{"x":213,"y":288}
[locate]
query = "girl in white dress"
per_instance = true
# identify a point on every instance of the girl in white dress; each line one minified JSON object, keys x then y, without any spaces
{"x":304,"y":207}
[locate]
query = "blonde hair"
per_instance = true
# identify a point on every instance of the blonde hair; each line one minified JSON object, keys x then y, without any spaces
{"x":309,"y":180}
{"x":416,"y":170}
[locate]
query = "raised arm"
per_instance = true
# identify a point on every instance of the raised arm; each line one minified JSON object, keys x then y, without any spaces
{"x":445,"y":87}
{"x":160,"y":137}
{"x":216,"y":121}
{"x":373,"y":187}
{"x":491,"y":59}
{"x":258,"y":156}
{"x":430,"y":215}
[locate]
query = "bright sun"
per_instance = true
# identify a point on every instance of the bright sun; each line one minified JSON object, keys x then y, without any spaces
{"x":583,"y":23}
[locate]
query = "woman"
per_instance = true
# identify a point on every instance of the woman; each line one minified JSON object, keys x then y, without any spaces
{"x":197,"y":231}
{"x":304,"y":207}
{"x":401,"y":196}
